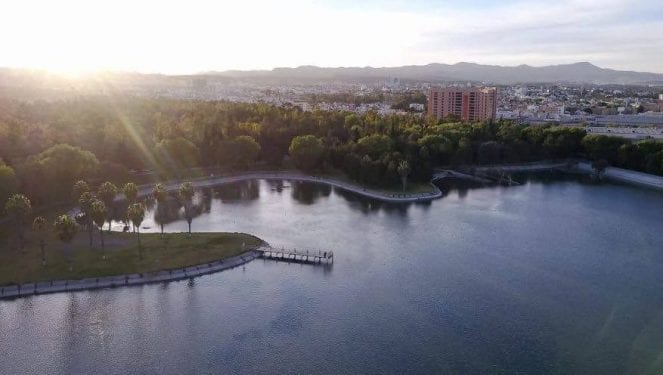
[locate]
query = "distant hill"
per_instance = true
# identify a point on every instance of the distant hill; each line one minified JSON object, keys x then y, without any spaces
{"x":582,"y":72}
{"x":30,"y":84}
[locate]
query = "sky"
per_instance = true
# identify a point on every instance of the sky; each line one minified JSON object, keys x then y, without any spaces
{"x":176,"y":37}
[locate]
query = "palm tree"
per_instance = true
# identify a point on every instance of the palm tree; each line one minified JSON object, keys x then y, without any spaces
{"x":66,"y":228}
{"x":85,"y":203}
{"x":99,"y":214}
{"x":18,"y":207}
{"x":186,"y":195}
{"x":403,"y":171}
{"x":107,"y":193}
{"x":39,"y":227}
{"x":130,"y":191}
{"x":160,"y":195}
{"x":136,"y":213}
{"x":80,"y":187}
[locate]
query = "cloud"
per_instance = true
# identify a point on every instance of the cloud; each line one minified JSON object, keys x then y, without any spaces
{"x":610,"y":33}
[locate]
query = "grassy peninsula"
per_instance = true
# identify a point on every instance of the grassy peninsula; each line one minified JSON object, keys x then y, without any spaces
{"x":123,"y":254}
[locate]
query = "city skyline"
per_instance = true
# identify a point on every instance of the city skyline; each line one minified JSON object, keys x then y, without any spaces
{"x":178,"y":38}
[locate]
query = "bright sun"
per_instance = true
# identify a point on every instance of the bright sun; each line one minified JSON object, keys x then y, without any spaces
{"x":74,"y":36}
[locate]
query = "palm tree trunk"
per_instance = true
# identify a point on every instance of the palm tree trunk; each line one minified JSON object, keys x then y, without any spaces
{"x":140,"y":247}
{"x":19,"y":235}
{"x":43,"y":253}
{"x":103,"y":245}
{"x":67,"y":252}
{"x":89,"y":231}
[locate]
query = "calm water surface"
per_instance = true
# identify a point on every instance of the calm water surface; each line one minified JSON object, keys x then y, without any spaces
{"x":547,"y":277}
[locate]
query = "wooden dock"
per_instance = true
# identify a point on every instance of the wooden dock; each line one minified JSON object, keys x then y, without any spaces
{"x":297,"y":255}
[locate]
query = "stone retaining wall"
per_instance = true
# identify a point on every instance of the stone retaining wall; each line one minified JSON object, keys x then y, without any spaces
{"x":435,"y":192}
{"x":29,"y":289}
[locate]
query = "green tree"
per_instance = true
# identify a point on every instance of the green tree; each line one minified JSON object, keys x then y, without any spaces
{"x":160,"y":195}
{"x":8,"y":181}
{"x":246,"y":149}
{"x":603,"y":147}
{"x":306,"y":151}
{"x":186,"y":193}
{"x":436,"y":147}
{"x":176,"y":154}
{"x":490,"y":152}
{"x":62,"y":165}
{"x":99,"y":213}
{"x":18,"y":208}
{"x":39,"y":228}
{"x":136,"y":213}
{"x":403,"y":171}
{"x":370,"y":171}
{"x":375,"y":145}
{"x":509,"y":132}
{"x":464,"y":152}
{"x":107,"y":193}
{"x":563,"y":142}
{"x":65,"y":228}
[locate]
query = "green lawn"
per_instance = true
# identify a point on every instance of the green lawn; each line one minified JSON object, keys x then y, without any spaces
{"x":173,"y":250}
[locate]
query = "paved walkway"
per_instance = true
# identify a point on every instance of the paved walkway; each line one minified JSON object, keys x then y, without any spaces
{"x":442,"y":174}
{"x":371,"y":193}
{"x":522,"y":167}
{"x":627,"y":176}
{"x":30,"y":289}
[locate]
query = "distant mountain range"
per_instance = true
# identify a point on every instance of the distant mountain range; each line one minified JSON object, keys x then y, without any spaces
{"x":30,"y":84}
{"x":582,"y":72}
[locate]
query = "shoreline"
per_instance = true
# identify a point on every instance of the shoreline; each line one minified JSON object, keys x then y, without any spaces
{"x":46,"y":287}
{"x":627,"y":176}
{"x":211,"y":181}
{"x":613,"y":174}
{"x":56,"y":286}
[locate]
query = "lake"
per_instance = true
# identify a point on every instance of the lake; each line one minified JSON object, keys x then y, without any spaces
{"x":553,"y":276}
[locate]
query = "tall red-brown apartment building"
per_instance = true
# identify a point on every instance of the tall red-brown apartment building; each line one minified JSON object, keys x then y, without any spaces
{"x":469,"y":104}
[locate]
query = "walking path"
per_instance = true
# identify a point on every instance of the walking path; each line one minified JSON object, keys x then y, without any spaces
{"x":523,"y":167}
{"x":442,"y":174}
{"x":626,"y":176}
{"x":30,"y":289}
{"x":487,"y":174}
{"x":289,"y":175}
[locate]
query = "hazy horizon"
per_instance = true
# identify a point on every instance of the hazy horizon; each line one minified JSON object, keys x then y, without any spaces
{"x":174,"y":37}
{"x":269,"y":69}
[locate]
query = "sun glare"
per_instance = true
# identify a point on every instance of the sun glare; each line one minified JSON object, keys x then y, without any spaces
{"x":76,"y":37}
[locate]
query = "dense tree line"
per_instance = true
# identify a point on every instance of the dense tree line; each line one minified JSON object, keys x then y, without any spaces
{"x":407,"y":98}
{"x":346,"y":97}
{"x":45,"y":147}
